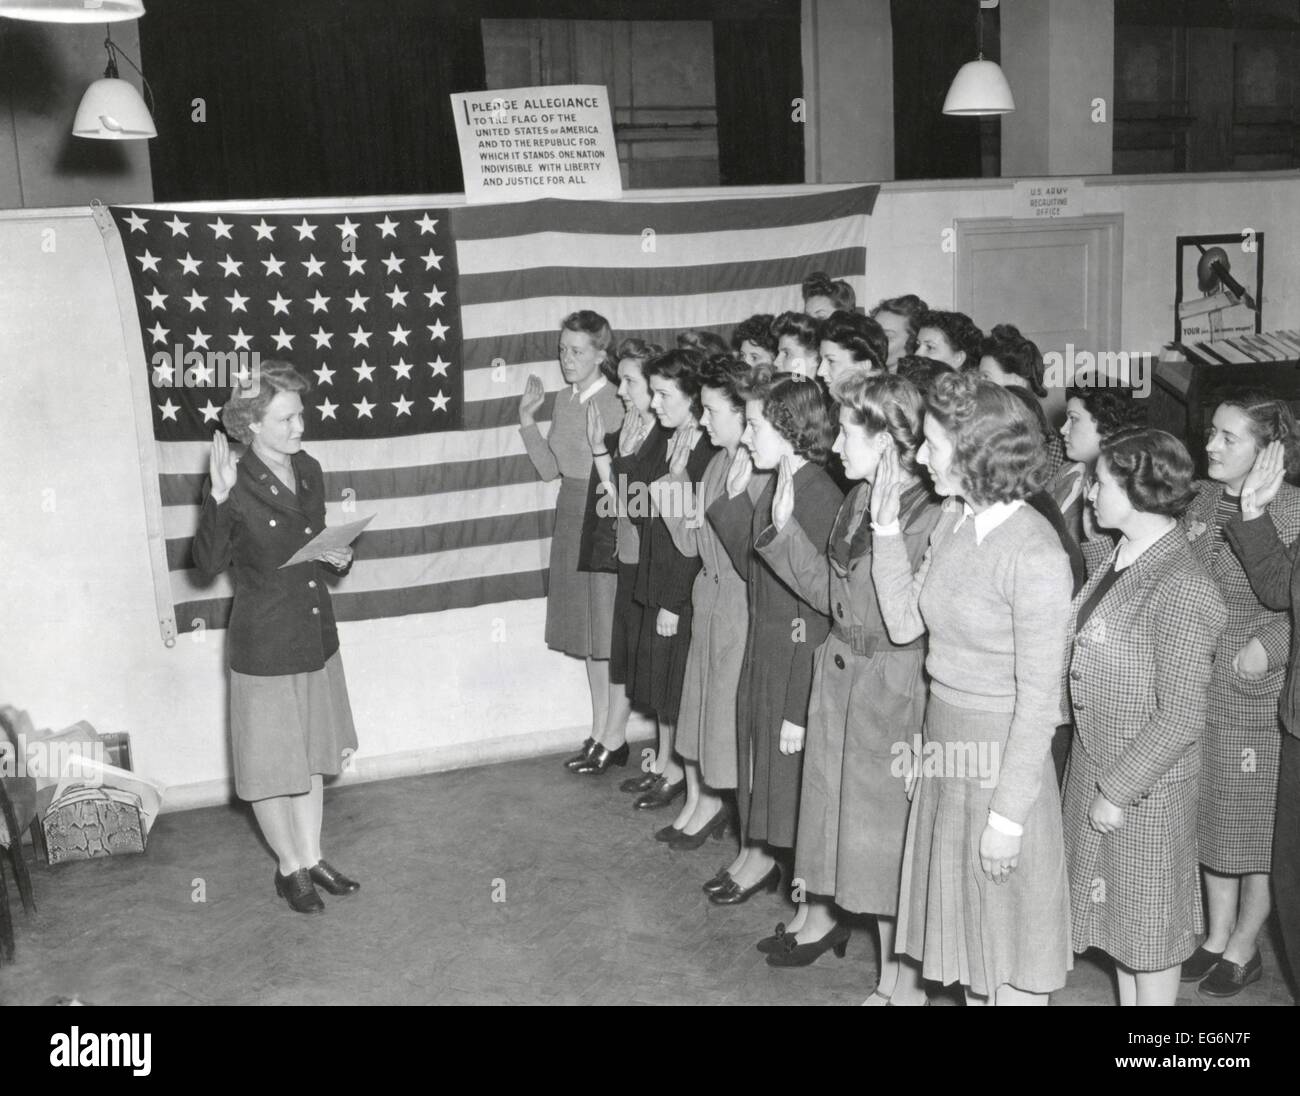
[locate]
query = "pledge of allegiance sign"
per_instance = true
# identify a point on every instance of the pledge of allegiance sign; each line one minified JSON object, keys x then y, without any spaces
{"x":527,"y":143}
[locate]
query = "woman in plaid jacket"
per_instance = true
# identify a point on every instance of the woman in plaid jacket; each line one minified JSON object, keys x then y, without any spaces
{"x":1145,"y":629}
{"x":1243,"y":739}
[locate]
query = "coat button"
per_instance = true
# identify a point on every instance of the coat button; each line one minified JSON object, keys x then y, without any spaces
{"x":307,"y":530}
{"x":1075,"y":675}
{"x":275,"y":490}
{"x":312,"y":584}
{"x":839,"y":609}
{"x":839,"y":662}
{"x":315,"y":611}
{"x":272,"y":521}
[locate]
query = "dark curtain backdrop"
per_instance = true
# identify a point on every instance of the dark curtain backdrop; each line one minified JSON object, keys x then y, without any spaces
{"x":932,"y":40}
{"x":331,"y":97}
{"x":758,"y":71}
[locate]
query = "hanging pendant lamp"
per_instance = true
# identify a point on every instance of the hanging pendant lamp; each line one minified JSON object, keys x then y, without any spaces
{"x":980,"y":87}
{"x":111,"y":109}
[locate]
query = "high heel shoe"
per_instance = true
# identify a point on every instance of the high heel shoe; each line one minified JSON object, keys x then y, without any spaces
{"x":335,"y":882}
{"x":297,"y":890}
{"x":775,"y":942}
{"x":588,"y":746}
{"x":792,"y":954}
{"x":668,"y":833}
{"x":600,"y":760}
{"x":718,"y":882}
{"x":660,"y":795}
{"x":735,"y":894}
{"x":715,"y":827}
{"x":639,"y":784}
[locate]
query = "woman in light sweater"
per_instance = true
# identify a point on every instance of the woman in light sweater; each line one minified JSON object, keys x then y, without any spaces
{"x":579,"y":604}
{"x":983,"y":898}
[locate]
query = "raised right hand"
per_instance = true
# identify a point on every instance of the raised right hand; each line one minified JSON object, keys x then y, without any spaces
{"x":1263,"y":481}
{"x":222,"y":467}
{"x":740,"y":472}
{"x":783,"y":498}
{"x":532,"y":399}
{"x":885,"y":488}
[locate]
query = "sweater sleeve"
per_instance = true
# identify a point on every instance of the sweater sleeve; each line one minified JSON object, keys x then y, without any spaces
{"x":1268,"y":563}
{"x":797,"y":563}
{"x":1040,"y":602}
{"x":539,"y":452}
{"x":898,"y":589}
{"x":212,"y":546}
{"x":1188,"y":622}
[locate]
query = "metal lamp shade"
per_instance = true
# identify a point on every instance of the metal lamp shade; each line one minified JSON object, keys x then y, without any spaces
{"x":112,"y":110}
{"x":979,"y":88}
{"x":72,"y":11}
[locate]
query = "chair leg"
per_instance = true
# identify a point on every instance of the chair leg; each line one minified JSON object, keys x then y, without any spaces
{"x":23,"y":879}
{"x":6,"y":920}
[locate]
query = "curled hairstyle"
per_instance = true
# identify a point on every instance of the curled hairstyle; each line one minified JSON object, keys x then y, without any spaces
{"x":757,"y":330}
{"x":1111,"y":408}
{"x":1270,"y":420}
{"x":997,"y":444}
{"x":838,"y":292}
{"x":1153,"y":467}
{"x":960,"y":331}
{"x":922,"y":371}
{"x":638,"y":350}
{"x":596,"y":327}
{"x":757,"y":382}
{"x":1016,"y":355}
{"x":911,"y":308}
{"x":248,"y":402}
{"x":883,"y":401}
{"x":1025,"y":396}
{"x":860,"y":335}
{"x":706,"y":342}
{"x":797,"y":411}
{"x":682,"y":367}
{"x":798,"y":326}
{"x":731,"y":377}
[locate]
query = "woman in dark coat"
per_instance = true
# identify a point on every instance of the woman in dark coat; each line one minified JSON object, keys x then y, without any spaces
{"x":290,"y":718}
{"x":789,"y":423}
{"x":1275,"y":577}
{"x":1242,"y":740}
{"x":610,"y":542}
{"x":868,"y":697}
{"x":1144,"y":633}
{"x":664,"y":574}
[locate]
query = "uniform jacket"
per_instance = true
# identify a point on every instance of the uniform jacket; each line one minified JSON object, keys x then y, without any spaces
{"x":282,"y":621}
{"x":1271,"y":568}
{"x":1139,"y":672}
{"x":1234,"y":700}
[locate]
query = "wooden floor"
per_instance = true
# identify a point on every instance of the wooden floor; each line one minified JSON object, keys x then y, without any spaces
{"x":592,"y":911}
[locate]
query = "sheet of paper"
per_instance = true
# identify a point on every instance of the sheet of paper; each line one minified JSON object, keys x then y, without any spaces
{"x":336,"y":536}
{"x":86,"y":772}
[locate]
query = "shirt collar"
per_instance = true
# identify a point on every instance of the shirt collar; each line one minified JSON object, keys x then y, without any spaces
{"x":1129,"y":551}
{"x":589,"y":391}
{"x":987,"y":520}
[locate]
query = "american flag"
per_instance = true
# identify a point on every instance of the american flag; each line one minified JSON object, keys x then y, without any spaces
{"x":418,"y":326}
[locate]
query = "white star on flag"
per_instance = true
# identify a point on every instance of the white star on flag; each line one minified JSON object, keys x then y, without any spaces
{"x":314,"y":266}
{"x":283,"y":341}
{"x":364,"y":408}
{"x":156,"y":299}
{"x":178,"y":227}
{"x":210,"y":411}
{"x":437,"y":330}
{"x":324,"y":375}
{"x":398,"y":296}
{"x":237,"y":301}
{"x":195,"y":301}
{"x":221,"y":229}
{"x":398,"y":335}
{"x":168,"y":409}
{"x":279,"y":303}
{"x":387,"y":227}
{"x":402,"y":368}
{"x":357,"y":301}
{"x":159,"y":333}
{"x":439,"y":366}
{"x":393,"y":264}
{"x":355,"y":265}
{"x":240,"y":341}
{"x":199,"y":339}
{"x":347,"y":228}
{"x":431,"y":260}
{"x":322,"y":337}
{"x":363,"y":371}
{"x":435,"y":296}
{"x":305,"y":231}
{"x":148,"y":262}
{"x":318,"y":303}
{"x":360,"y":337}
{"x":230,"y":266}
{"x":403,"y":405}
{"x":439,"y":402}
{"x":272,"y":265}
{"x":326,"y":408}
{"x":188,"y":262}
{"x":426,"y":224}
{"x":136,"y":222}
{"x":264,"y":231}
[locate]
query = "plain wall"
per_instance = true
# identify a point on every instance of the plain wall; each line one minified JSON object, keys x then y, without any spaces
{"x":81,"y":635}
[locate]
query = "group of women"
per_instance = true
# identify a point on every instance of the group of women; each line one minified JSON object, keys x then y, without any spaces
{"x":875,"y":601}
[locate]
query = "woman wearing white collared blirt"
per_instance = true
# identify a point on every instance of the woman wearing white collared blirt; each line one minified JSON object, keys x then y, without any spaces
{"x":983,"y":894}
{"x":579,"y":604}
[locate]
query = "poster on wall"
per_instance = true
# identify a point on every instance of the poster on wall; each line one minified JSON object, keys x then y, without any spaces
{"x":1219,"y":282}
{"x":544,"y":142}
